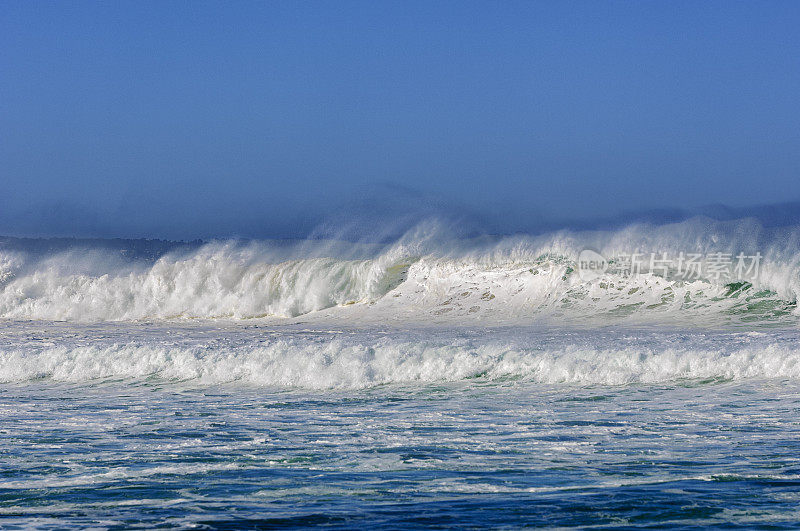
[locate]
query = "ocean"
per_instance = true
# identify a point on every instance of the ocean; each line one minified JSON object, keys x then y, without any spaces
{"x":646,"y":376}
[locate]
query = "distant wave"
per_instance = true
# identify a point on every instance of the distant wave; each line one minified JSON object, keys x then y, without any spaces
{"x":424,"y":276}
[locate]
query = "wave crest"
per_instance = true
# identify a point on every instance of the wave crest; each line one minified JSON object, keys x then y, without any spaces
{"x":424,"y":276}
{"x":329,"y":362}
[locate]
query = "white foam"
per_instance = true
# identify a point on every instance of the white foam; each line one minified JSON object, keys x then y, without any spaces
{"x":424,"y":276}
{"x":286,"y":360}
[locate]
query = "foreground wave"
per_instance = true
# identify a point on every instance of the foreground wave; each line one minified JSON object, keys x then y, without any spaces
{"x":366,"y":358}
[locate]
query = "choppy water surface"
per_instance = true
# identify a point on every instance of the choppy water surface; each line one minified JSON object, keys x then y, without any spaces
{"x":620,"y":448}
{"x":430,"y":381}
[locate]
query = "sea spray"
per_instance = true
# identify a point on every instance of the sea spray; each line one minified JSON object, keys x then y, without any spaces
{"x":426,"y":274}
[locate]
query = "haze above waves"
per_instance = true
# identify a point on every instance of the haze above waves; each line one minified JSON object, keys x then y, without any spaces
{"x":427,"y":275}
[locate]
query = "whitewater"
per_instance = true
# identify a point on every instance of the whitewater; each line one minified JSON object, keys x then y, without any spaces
{"x":647,"y":374}
{"x":426,"y":276}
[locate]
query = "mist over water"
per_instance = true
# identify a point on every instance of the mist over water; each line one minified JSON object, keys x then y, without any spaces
{"x":432,"y":271}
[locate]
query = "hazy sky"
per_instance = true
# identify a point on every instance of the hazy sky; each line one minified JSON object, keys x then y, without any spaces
{"x":198,"y":119}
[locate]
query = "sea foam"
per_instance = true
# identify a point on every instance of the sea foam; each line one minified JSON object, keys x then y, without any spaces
{"x":358,"y":360}
{"x":425,"y":275}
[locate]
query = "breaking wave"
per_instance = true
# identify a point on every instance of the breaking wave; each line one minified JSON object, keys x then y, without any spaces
{"x":425,"y":276}
{"x":325,"y":362}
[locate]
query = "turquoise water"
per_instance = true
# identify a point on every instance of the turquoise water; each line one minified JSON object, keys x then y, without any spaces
{"x":427,"y":382}
{"x":483,"y":450}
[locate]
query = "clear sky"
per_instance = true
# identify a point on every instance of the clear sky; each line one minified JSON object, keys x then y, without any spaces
{"x":261,"y":119}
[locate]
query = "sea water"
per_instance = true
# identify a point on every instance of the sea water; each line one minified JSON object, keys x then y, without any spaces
{"x":429,"y":381}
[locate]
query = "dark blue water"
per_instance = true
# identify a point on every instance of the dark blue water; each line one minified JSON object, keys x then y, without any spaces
{"x":475,"y":453}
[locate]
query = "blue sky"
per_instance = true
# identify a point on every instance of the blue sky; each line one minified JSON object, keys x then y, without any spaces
{"x":199,"y":119}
